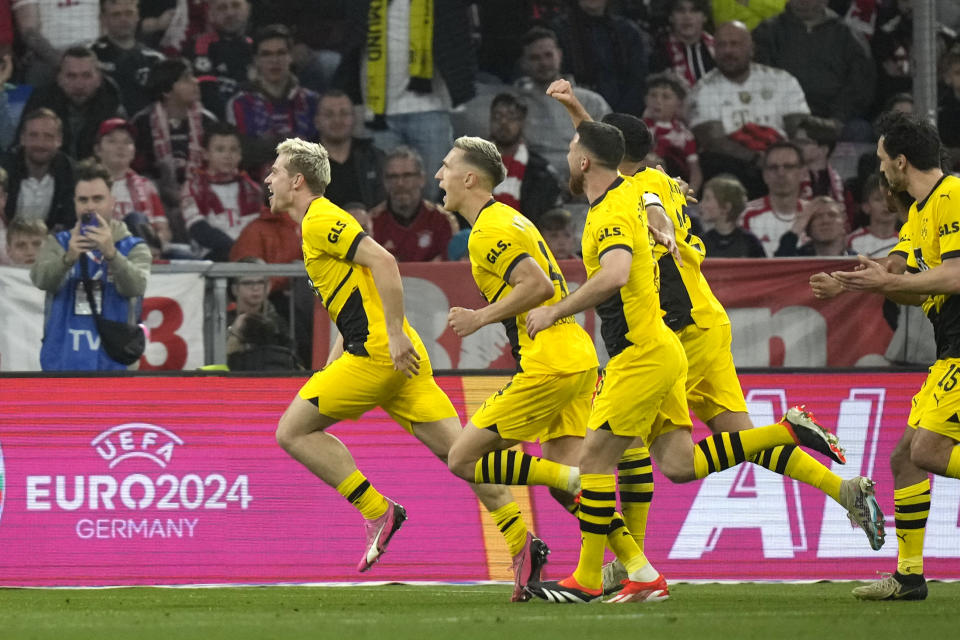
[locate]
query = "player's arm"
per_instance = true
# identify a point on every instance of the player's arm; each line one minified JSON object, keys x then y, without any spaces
{"x":662,"y":228}
{"x":562,"y":91}
{"x":906,"y":288}
{"x":531,"y":287}
{"x":825,"y":286}
{"x":386,"y":277}
{"x":613,"y":274}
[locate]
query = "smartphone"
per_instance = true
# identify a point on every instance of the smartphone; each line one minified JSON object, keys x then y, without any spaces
{"x":88,"y":220}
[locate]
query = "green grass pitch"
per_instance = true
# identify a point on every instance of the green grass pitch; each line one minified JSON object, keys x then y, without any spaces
{"x":395,"y":612}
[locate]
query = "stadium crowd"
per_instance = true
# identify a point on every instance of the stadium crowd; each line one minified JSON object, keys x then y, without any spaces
{"x":766,"y":109}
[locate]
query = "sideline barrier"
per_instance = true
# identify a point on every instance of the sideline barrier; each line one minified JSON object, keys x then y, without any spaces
{"x":178,"y":480}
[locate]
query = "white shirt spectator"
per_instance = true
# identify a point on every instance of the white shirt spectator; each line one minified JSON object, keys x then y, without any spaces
{"x":768,"y":225}
{"x":35,"y":198}
{"x":765,"y":97}
{"x":866,"y":244}
{"x":66,"y":22}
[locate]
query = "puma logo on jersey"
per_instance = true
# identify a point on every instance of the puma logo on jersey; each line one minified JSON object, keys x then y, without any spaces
{"x":948,"y":228}
{"x":335,"y":231}
{"x":497,"y":251}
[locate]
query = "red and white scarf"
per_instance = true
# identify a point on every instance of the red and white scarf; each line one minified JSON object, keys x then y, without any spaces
{"x":680,"y":64}
{"x":160,"y":131}
{"x":508,"y":191}
{"x":249,"y":198}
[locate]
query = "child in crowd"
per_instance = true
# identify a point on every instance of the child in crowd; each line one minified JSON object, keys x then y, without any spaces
{"x":876,"y":239}
{"x":556,"y":226}
{"x":673,"y":141}
{"x":723,"y":200}
{"x":133,"y":193}
{"x":817,"y":138}
{"x":219,"y":201}
{"x":24,"y":238}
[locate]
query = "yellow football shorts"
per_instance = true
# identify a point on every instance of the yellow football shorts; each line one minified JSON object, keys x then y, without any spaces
{"x":936,"y":407}
{"x":712,"y":383}
{"x":642,"y":392}
{"x":352,"y":385}
{"x":541,"y":407}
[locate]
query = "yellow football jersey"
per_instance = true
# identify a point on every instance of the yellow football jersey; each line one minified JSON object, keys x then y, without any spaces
{"x":904,"y":247}
{"x":935,"y":235}
{"x":501,"y":237}
{"x":346,"y":289}
{"x":685,"y":295}
{"x":616,"y":220}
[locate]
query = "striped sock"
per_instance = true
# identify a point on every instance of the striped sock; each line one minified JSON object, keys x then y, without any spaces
{"x":911,"y":507}
{"x":635,"y":480}
{"x":360,"y":493}
{"x":598,"y":501}
{"x":516,"y":467}
{"x":794,"y":462}
{"x":510,"y":522}
{"x":724,"y":450}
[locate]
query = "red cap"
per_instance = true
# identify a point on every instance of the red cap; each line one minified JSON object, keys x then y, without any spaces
{"x":111,"y":125}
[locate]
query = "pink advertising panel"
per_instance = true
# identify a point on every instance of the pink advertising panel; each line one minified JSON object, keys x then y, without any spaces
{"x":165,"y":480}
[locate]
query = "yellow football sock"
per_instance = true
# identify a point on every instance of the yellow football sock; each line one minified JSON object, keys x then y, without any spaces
{"x":723,"y":450}
{"x":516,"y":467}
{"x":794,"y":462}
{"x":510,"y":522}
{"x":953,"y":465}
{"x":361,"y":494}
{"x":911,"y":507}
{"x":598,"y":500}
{"x":635,"y":481}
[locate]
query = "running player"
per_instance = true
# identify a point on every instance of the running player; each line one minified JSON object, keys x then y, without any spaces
{"x":382,"y":361}
{"x":910,"y":155}
{"x":549,"y":396}
{"x":642,"y":393}
{"x":694,"y":313}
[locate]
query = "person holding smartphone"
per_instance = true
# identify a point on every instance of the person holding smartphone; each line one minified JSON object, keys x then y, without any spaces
{"x":117,"y":265}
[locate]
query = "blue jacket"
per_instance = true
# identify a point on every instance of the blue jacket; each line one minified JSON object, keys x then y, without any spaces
{"x":70,"y":340}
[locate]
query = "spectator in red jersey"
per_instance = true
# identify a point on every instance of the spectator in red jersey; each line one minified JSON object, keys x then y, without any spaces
{"x":673,"y":141}
{"x":408,"y":226}
{"x":685,"y":49}
{"x":274,"y":107}
{"x":220,"y":200}
{"x":774,"y":214}
{"x":532,"y":185}
{"x":132,"y":192}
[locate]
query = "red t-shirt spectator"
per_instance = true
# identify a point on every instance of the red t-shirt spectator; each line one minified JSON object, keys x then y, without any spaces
{"x":425,"y":237}
{"x":274,"y":238}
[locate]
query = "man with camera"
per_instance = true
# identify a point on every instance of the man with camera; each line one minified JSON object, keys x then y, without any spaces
{"x":115,"y":265}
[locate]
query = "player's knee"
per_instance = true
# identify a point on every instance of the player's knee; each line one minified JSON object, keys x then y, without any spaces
{"x":460,"y":464}
{"x":284,"y":434}
{"x":677,"y":470}
{"x":900,"y":460}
